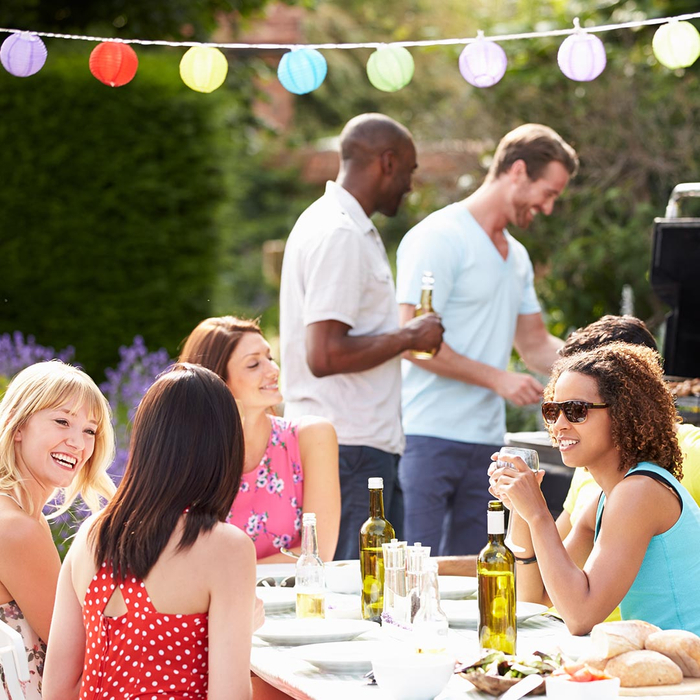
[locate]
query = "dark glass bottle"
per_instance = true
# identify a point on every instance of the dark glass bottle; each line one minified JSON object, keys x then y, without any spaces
{"x":375,"y":531}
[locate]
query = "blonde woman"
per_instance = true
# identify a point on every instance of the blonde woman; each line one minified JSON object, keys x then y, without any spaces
{"x":56,"y":438}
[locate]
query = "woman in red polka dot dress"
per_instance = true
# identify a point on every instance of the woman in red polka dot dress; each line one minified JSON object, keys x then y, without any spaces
{"x":156,"y":596}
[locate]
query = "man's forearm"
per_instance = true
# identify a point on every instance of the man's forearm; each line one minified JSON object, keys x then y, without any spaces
{"x":349,"y":353}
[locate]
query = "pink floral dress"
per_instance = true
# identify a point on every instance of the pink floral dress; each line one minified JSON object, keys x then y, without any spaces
{"x":269,"y":503}
{"x":35,"y":648}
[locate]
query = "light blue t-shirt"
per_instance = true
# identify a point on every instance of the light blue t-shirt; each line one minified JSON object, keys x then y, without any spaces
{"x":479,"y":296}
{"x":665,"y":590}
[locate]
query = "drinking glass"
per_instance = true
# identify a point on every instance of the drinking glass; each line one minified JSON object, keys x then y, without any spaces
{"x":530,"y":457}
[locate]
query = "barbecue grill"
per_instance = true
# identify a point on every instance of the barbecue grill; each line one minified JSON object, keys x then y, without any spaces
{"x":675,"y":277}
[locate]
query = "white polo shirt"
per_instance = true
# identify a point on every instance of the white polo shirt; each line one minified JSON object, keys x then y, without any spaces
{"x":335,"y":267}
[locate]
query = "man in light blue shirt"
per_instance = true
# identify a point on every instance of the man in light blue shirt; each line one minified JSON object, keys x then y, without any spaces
{"x":454,"y":404}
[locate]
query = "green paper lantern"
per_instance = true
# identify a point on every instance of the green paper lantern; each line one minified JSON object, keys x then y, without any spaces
{"x":390,"y":68}
{"x":676,"y":44}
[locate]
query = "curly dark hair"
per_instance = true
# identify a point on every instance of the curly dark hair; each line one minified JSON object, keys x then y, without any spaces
{"x":608,"y":329}
{"x":642,"y":412}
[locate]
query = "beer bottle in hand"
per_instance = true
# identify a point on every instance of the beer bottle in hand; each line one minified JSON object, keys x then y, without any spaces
{"x":496,"y":581}
{"x":375,"y":531}
{"x":425,"y":307}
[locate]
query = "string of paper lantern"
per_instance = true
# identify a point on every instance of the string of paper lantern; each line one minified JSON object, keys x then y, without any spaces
{"x":482,"y":63}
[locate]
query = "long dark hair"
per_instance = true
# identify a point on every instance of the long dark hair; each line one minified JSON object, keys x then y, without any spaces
{"x":186,"y":454}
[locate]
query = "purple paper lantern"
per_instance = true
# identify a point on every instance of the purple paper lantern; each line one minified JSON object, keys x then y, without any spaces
{"x":581,"y":56}
{"x":23,"y":54}
{"x":483,"y":62}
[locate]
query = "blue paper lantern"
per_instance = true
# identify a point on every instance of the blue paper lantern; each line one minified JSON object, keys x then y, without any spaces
{"x":302,"y":70}
{"x":23,"y":54}
{"x":581,"y":56}
{"x":483,"y":62}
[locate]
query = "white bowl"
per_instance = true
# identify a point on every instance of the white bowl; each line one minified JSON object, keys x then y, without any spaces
{"x":560,"y":688}
{"x":413,"y":676}
{"x":343,"y":576}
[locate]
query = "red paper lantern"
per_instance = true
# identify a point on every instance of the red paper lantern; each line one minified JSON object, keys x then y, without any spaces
{"x":113,"y":63}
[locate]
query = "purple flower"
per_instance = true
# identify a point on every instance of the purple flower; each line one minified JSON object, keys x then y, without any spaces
{"x":124,"y":389}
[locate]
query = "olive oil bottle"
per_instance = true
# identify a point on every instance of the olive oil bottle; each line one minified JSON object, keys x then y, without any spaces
{"x":496,"y":581}
{"x":309,"y":578}
{"x":425,"y":307}
{"x":375,"y":531}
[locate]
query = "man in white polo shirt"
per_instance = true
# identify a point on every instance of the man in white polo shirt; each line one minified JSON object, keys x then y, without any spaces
{"x":339,"y":326}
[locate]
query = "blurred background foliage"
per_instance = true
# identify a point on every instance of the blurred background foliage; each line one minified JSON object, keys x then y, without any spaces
{"x":142,"y":210}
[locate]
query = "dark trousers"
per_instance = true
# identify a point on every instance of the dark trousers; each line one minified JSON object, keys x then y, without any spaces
{"x":357,"y":464}
{"x":445,"y":485}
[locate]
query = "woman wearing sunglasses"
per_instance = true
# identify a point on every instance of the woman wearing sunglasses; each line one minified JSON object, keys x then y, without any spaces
{"x":608,"y":410}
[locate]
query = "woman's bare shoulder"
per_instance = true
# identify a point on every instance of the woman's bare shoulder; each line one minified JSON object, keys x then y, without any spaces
{"x":315,"y":428}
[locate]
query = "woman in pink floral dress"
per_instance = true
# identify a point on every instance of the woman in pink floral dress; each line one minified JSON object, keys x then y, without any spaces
{"x":55,"y":435}
{"x":290,"y":466}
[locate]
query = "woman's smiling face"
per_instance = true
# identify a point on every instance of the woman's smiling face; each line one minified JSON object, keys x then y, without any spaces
{"x":252,"y":373}
{"x":589,"y":443}
{"x":55,"y":443}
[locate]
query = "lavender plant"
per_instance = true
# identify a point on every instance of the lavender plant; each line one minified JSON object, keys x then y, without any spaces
{"x":124,"y":389}
{"x":18,"y":352}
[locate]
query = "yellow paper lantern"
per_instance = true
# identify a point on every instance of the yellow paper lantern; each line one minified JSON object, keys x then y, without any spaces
{"x":203,"y":68}
{"x":676,"y":44}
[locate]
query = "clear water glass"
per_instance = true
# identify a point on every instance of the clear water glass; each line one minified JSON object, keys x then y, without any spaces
{"x":530,"y":457}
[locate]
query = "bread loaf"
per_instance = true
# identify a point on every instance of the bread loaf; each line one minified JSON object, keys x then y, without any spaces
{"x":680,"y":646}
{"x":642,"y":667}
{"x":609,"y":639}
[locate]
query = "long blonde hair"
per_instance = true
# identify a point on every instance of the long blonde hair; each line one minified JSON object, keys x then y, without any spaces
{"x":47,"y":385}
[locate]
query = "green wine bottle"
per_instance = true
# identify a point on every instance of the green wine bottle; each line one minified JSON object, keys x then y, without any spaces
{"x":375,"y":531}
{"x":496,"y":580}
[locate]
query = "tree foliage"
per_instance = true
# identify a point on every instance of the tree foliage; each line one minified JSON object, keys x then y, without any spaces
{"x":154,"y":19}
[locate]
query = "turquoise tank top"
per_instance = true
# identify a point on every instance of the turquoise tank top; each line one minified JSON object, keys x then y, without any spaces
{"x":665,"y":591}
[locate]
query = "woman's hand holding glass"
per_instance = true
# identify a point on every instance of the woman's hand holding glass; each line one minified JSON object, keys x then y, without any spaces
{"x":516,"y":485}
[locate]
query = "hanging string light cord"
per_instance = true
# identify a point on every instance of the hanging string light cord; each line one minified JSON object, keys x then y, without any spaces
{"x":371,"y":44}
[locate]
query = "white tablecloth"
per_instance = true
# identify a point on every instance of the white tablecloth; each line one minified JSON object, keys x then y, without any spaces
{"x":302,"y":681}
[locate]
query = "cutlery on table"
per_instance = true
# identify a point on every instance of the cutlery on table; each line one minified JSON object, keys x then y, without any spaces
{"x":522,"y":688}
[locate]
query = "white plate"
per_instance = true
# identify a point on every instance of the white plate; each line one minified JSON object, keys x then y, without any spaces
{"x":294,"y":632}
{"x":340,"y":657}
{"x":456,"y":587}
{"x":465,"y":613}
{"x":277,"y":599}
{"x":275,"y":571}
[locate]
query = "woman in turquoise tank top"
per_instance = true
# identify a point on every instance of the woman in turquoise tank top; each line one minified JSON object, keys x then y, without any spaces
{"x":609,"y":410}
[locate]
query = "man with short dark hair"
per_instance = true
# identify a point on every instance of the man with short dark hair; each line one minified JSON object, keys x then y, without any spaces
{"x":339,"y":327}
{"x":454,"y":403}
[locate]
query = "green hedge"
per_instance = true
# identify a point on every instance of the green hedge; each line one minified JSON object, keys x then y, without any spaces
{"x":110,"y":203}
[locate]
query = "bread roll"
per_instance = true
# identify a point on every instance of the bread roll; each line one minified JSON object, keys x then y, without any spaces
{"x":612,"y":638}
{"x":680,"y":646}
{"x":643,"y":667}
{"x":594,"y":663}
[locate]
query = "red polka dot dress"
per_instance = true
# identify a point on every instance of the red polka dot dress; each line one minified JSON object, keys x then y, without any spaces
{"x":142,"y":654}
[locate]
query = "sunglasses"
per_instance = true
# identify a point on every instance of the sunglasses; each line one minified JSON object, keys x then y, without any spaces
{"x":574,"y":411}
